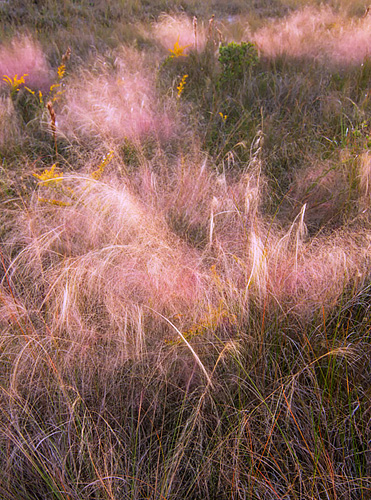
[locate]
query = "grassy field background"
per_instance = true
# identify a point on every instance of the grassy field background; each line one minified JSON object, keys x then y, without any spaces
{"x":185,"y":231}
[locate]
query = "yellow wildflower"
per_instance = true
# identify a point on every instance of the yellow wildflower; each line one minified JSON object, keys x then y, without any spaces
{"x":178,"y":50}
{"x":54,"y":86}
{"x":61,"y":71}
{"x":15,"y":82}
{"x":97,"y":174}
{"x":223,"y":117}
{"x":50,"y":176}
{"x":181,"y":85}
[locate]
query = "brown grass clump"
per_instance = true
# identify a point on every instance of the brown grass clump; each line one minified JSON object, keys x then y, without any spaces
{"x":365,"y":178}
{"x":249,"y":259}
{"x":10,"y":131}
{"x":324,"y":188}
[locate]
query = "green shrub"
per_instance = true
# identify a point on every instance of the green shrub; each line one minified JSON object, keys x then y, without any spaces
{"x":236,"y":59}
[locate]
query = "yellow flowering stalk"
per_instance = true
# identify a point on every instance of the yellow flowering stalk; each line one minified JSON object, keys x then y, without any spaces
{"x":97,"y":174}
{"x":55,"y":90}
{"x":58,"y":203}
{"x":181,"y":85}
{"x":61,"y":71}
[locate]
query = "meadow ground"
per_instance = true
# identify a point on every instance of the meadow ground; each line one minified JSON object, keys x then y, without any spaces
{"x":185,"y":224}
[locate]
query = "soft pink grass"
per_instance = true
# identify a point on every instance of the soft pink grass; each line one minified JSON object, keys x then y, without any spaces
{"x":317,"y":33}
{"x":24,"y":56}
{"x":119,"y":105}
{"x":171,"y":29}
{"x":106,"y":267}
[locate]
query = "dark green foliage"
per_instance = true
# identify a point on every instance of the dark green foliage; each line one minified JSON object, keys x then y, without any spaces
{"x":236,"y":59}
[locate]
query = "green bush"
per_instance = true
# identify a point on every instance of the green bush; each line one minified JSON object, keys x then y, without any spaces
{"x":236,"y":59}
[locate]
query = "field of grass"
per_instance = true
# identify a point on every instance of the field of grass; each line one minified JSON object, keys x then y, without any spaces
{"x":185,"y":244}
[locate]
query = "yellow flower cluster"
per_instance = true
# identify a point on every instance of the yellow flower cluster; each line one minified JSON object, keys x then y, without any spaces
{"x":178,"y":50}
{"x":181,"y":85}
{"x":15,"y":82}
{"x":51,"y":177}
{"x":55,"y":90}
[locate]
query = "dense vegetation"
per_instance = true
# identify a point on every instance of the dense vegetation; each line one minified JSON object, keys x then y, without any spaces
{"x":185,"y":250}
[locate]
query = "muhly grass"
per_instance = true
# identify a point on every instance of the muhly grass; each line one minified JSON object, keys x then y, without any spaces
{"x":104,"y":397}
{"x":22,"y":55}
{"x":320,"y":33}
{"x":167,"y":334}
{"x":117,"y":102}
{"x":189,"y":34}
